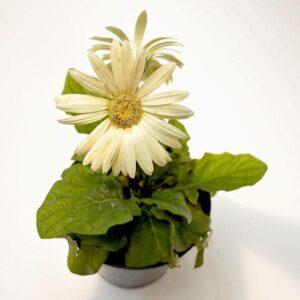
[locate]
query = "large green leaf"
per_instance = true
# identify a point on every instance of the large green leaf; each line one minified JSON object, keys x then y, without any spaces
{"x":86,"y":259}
{"x":224,"y":172}
{"x":84,"y":202}
{"x":73,"y":87}
{"x":149,"y":243}
{"x":170,"y":201}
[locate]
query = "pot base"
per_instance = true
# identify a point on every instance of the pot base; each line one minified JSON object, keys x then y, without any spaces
{"x":131,"y":278}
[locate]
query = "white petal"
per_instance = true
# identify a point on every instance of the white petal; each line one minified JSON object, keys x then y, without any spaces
{"x":143,"y":156}
{"x":116,"y":167}
{"x":76,"y":103}
{"x":122,"y":163}
{"x":140,"y":28}
{"x":160,"y":76}
{"x":90,"y":83}
{"x":103,"y":72}
{"x":84,"y":118}
{"x":127,"y":61}
{"x":162,"y":137}
{"x":118,"y":32}
{"x":164,"y":98}
{"x":111,"y":149}
{"x":102,"y":39}
{"x":91,"y":139}
{"x":169,"y":57}
{"x":129,"y":153}
{"x":119,"y":162}
{"x":137,"y":70}
{"x":158,"y":39}
{"x":92,"y":153}
{"x":97,"y":152}
{"x":163,"y":46}
{"x":170,"y":111}
{"x":116,"y":65}
{"x":164,"y":127}
{"x":158,"y":153}
{"x":99,"y":47}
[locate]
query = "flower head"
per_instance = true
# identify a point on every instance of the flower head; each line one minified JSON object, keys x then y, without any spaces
{"x":132,"y":129}
{"x":156,"y":50}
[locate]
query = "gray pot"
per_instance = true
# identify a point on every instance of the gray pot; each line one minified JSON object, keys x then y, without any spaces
{"x":131,"y":278}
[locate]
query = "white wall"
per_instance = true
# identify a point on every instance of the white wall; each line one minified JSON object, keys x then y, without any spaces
{"x":242,"y":67}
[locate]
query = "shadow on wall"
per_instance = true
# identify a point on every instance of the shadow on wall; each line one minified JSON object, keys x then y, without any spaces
{"x":236,"y":228}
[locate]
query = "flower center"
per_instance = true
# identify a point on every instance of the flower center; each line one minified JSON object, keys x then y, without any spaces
{"x":125,"y":110}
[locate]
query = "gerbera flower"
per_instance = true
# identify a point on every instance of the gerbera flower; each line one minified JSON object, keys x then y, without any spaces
{"x":156,"y":49}
{"x":133,"y":126}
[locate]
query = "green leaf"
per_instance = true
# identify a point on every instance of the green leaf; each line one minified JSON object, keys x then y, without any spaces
{"x":149,"y":243}
{"x":224,"y":172}
{"x":77,"y":157}
{"x":86,"y":259}
{"x":111,"y":241}
{"x":201,"y":245}
{"x":84,"y":202}
{"x":192,"y":195}
{"x":184,"y":235}
{"x":73,"y":87}
{"x":200,"y":257}
{"x":170,"y":201}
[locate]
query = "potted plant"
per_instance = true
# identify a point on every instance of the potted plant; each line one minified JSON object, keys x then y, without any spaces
{"x":133,"y":201}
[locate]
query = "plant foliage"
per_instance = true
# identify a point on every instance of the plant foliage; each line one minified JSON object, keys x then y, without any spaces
{"x":144,"y":221}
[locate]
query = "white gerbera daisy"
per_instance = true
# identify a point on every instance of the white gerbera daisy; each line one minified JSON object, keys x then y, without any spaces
{"x":132,"y":128}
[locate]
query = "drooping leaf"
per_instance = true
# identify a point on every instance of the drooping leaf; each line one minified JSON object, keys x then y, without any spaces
{"x":201,"y":245}
{"x":111,"y":241}
{"x":73,"y":87}
{"x":224,"y":172}
{"x":170,"y":201}
{"x":149,"y":243}
{"x":199,"y":257}
{"x":184,"y":235}
{"x":86,"y":259}
{"x":84,"y":202}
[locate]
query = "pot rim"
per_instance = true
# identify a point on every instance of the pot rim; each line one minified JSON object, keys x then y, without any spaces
{"x":132,"y":268}
{"x":150,"y":267}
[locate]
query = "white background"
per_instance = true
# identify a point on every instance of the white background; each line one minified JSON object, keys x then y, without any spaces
{"x":242,"y":68}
